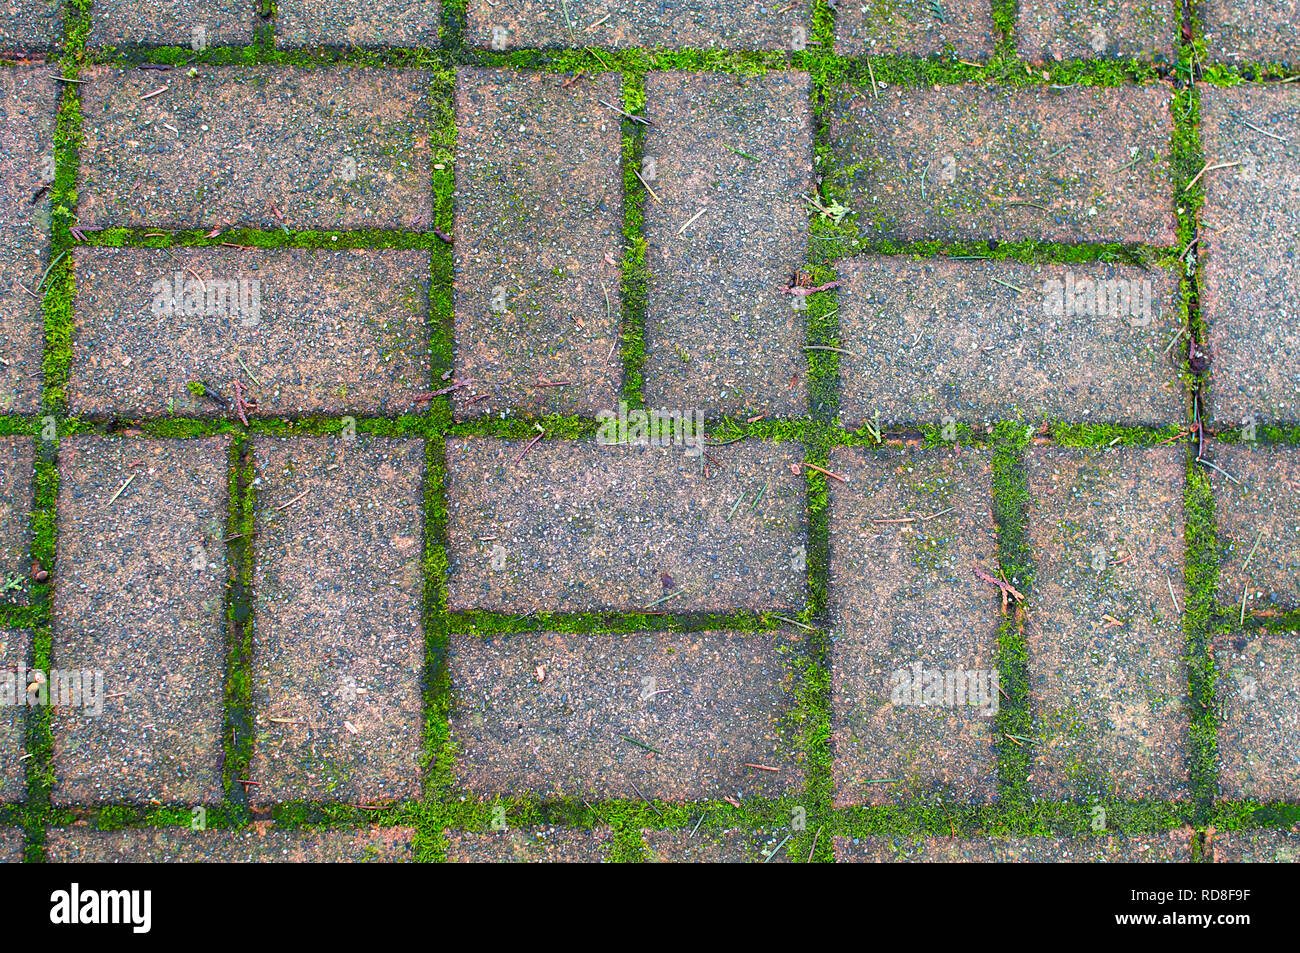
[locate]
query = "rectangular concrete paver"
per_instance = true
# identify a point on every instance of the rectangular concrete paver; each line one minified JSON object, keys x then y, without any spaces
{"x":15,"y":656}
{"x":308,"y":331}
{"x":538,"y":845}
{"x":405,"y":23}
{"x":28,"y":103}
{"x":31,"y":25}
{"x":1019,"y":163}
{"x":261,"y":844}
{"x":1255,"y":847}
{"x":721,"y":336}
{"x":15,"y":519}
{"x":906,"y":530}
{"x":1173,"y":847}
{"x":333,"y":147}
{"x":338,"y":652}
{"x":1258,"y":519}
{"x":197,"y":24}
{"x":539,"y":218}
{"x":956,"y":28}
{"x":707,"y":846}
{"x":676,"y":716}
{"x":1048,"y":30}
{"x":725,"y":24}
{"x":1251,"y":31}
{"x":573,"y":526}
{"x":1259,"y":715}
{"x":981,"y":341}
{"x":140,"y":596}
{"x":1106,"y":675}
{"x":1250,"y":270}
{"x":11,"y":845}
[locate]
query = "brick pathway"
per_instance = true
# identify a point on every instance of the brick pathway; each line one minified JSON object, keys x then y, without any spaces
{"x":707,"y":431}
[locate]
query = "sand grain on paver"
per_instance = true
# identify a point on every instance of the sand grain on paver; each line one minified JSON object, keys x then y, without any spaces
{"x":404,"y":23}
{"x":197,"y":24}
{"x":16,"y":500}
{"x":1255,"y":847}
{"x":709,"y":846}
{"x":721,"y":337}
{"x":982,"y":341}
{"x":1259,"y":715}
{"x":1258,"y":520}
{"x":539,"y":212}
{"x":1252,"y":213}
{"x":1251,"y":31}
{"x":1107,"y":681}
{"x":139,"y":595}
{"x":1048,"y":30}
{"x":1018,"y":163}
{"x":15,"y":654}
{"x":1173,"y":847}
{"x":332,"y":147}
{"x":536,"y":845}
{"x":953,"y":28}
{"x":556,"y":715}
{"x":338,"y":648}
{"x":906,"y":531}
{"x":306,"y":331}
{"x":261,"y":844}
{"x":571,"y":526}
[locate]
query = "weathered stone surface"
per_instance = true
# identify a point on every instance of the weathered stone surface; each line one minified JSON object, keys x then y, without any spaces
{"x":15,"y":655}
{"x":11,"y":845}
{"x":708,"y":846}
{"x":16,"y":501}
{"x":1251,"y":31}
{"x":197,"y":24}
{"x":262,"y":844}
{"x":31,"y":25}
{"x":405,"y":23}
{"x":1255,"y":847}
{"x":722,"y":154}
{"x":1098,"y":29}
{"x":1173,"y":847}
{"x":1259,"y":715}
{"x":539,"y":845}
{"x":877,"y":27}
{"x":1258,"y":520}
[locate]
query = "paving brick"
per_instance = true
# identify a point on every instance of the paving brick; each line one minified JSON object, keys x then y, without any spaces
{"x":1249,"y":263}
{"x":1259,"y":715}
{"x":720,"y":336}
{"x":557,"y":715}
{"x":1171,"y":848}
{"x":705,"y":846}
{"x":261,"y":844}
{"x":15,"y":655}
{"x":983,"y":341}
{"x":539,"y":218}
{"x":333,"y":147}
{"x":875,"y":27}
{"x":1258,"y":519}
{"x":727,"y":24}
{"x":1016,"y":163}
{"x":1105,"y":530}
{"x":338,"y":651}
{"x":15,"y":515}
{"x":197,"y":24}
{"x":31,"y":25}
{"x":1094,"y":29}
{"x":1251,"y":31}
{"x":885,"y":725}
{"x":405,"y":23}
{"x":140,"y":596}
{"x":318,"y":331}
{"x":1255,"y":847}
{"x":582,"y":527}
{"x":11,"y":845}
{"x":538,"y":845}
{"x":28,"y":103}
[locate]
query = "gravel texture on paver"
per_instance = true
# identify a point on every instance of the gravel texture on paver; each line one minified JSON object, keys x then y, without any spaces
{"x":709,"y":846}
{"x":539,"y":218}
{"x":12,"y":842}
{"x":1255,"y":847}
{"x":29,"y":99}
{"x":537,"y":845}
{"x":1107,"y":680}
{"x":1251,"y":31}
{"x":1258,"y":527}
{"x":1173,"y":847}
{"x":333,"y":147}
{"x":31,"y":25}
{"x":306,"y":331}
{"x":1054,"y":30}
{"x":15,"y":655}
{"x":1249,"y":267}
{"x":140,"y":596}
{"x":198,"y":24}
{"x":909,"y":614}
{"x":724,"y":235}
{"x":572,"y":526}
{"x":404,"y":23}
{"x":984,"y":341}
{"x":338,"y":644}
{"x":261,"y":844}
{"x":15,"y":519}
{"x":1013,"y":163}
{"x":605,"y":716}
{"x":1259,"y":715}
{"x":879,"y":27}
{"x":692,"y":24}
